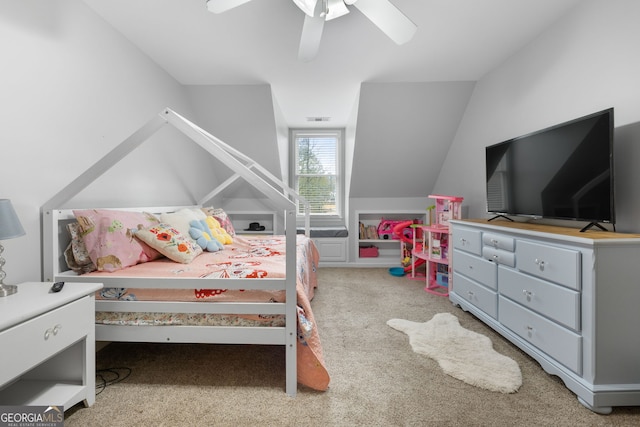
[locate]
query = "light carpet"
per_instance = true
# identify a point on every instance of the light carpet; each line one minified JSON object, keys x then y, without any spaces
{"x":461,"y":353}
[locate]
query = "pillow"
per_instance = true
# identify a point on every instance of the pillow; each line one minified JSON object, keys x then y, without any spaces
{"x":76,"y":254}
{"x":221,"y":216}
{"x":108,"y":237}
{"x":181,"y":220}
{"x":167,"y":240}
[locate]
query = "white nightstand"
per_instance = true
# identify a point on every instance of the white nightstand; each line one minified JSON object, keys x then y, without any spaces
{"x":47,"y":345}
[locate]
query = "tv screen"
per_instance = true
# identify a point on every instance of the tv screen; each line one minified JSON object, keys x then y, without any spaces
{"x":562,"y":172}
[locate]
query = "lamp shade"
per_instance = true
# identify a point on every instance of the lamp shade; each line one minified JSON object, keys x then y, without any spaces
{"x":10,"y":226}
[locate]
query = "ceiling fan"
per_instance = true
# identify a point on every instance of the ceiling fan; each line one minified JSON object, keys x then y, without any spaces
{"x":388,"y":18}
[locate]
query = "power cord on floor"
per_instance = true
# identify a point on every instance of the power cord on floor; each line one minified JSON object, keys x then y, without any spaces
{"x":110,"y":376}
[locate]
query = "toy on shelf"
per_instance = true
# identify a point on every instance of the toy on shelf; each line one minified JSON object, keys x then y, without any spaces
{"x":435,"y":248}
{"x":405,"y":232}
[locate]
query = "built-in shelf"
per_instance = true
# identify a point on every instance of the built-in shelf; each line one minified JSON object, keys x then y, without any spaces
{"x":241,"y":221}
{"x":389,"y":250}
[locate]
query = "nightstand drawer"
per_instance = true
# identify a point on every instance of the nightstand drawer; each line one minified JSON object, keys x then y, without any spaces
{"x":36,"y":340}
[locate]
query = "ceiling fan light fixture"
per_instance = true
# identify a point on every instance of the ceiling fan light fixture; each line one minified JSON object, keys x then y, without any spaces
{"x":336,"y":9}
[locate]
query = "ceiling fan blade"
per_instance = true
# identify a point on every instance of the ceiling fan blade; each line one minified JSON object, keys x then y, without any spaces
{"x":310,"y":39}
{"x":219,"y":6}
{"x":388,"y":18}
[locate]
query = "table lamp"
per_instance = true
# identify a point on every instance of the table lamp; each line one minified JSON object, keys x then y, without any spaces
{"x":10,"y":228}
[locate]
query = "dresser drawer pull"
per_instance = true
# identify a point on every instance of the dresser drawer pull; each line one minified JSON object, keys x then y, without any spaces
{"x":463,"y":241}
{"x":470,"y":294}
{"x":530,"y":331}
{"x":527,"y":294}
{"x":494,"y":242}
{"x":540,"y":263}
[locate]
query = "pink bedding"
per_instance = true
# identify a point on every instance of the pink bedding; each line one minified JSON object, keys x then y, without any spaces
{"x":248,"y":257}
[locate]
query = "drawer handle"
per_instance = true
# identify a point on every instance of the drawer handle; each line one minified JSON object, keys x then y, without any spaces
{"x":53,"y":331}
{"x":540,"y":263}
{"x":494,"y":242}
{"x":527,"y":294}
{"x":470,"y":294}
{"x":530,"y":330}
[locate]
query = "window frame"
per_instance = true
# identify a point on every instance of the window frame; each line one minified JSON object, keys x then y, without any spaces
{"x":339,"y":133}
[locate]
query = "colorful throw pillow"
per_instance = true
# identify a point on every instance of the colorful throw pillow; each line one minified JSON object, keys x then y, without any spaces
{"x":181,"y":220}
{"x":167,"y":240}
{"x":221,"y":216}
{"x":108,"y":237}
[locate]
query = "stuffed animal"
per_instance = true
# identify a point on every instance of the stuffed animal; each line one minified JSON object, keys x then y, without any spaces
{"x":199,"y":231}
{"x":217,"y":231}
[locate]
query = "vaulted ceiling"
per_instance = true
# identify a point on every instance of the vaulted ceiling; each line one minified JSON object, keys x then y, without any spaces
{"x":257,"y":42}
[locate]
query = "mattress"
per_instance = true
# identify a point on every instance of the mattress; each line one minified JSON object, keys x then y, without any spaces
{"x":248,"y":257}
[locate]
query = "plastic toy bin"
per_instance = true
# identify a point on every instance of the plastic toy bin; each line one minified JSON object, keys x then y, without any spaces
{"x":368,"y":251}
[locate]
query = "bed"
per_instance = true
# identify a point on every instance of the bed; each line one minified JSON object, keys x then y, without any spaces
{"x":255,"y":290}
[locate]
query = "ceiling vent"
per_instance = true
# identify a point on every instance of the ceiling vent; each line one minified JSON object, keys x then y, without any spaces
{"x":318,"y":119}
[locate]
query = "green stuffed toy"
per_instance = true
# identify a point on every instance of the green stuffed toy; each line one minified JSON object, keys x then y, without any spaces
{"x":199,"y":231}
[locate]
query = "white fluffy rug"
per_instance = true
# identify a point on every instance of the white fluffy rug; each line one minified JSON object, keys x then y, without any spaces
{"x":461,"y":353}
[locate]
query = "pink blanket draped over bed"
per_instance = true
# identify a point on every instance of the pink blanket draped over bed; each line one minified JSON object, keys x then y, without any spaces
{"x":248,"y":257}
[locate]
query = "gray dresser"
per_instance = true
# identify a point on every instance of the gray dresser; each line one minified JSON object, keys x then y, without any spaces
{"x":570,"y":300}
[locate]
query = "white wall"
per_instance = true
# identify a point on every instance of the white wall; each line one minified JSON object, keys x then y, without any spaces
{"x":71,"y":89}
{"x":402,"y":135}
{"x":242,"y":116}
{"x":584,"y":63}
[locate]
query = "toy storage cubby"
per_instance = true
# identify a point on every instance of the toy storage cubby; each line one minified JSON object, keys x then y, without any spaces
{"x":389,"y":249}
{"x":435,"y":249}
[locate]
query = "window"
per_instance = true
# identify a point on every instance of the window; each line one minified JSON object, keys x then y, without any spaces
{"x":316,"y":170}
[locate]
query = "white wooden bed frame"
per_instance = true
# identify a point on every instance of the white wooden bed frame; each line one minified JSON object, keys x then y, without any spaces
{"x":56,"y":239}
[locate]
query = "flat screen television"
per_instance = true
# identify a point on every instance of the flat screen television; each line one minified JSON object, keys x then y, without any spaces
{"x":561,"y":172}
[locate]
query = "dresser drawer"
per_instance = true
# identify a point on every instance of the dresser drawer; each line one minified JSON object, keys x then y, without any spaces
{"x":552,"y":263}
{"x":483,"y":298}
{"x":555,"y":302}
{"x":38,"y":339}
{"x":558,"y":342}
{"x":476,"y":268}
{"x":499,"y":256}
{"x":499,"y":241}
{"x":467,"y":240}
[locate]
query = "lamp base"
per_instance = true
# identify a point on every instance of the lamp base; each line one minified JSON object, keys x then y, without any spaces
{"x":6,"y":290}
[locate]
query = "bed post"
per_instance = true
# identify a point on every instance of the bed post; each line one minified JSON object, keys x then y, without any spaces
{"x":291,"y":327}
